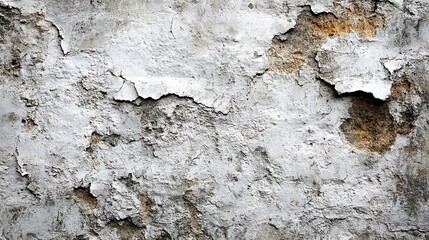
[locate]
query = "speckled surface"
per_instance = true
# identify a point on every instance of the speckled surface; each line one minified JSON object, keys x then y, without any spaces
{"x":198,"y":119}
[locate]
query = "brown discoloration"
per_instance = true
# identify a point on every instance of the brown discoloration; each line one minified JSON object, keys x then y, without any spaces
{"x":194,"y":225}
{"x":330,"y":26}
{"x":145,"y":209}
{"x":193,"y":220}
{"x":95,"y":138}
{"x":83,"y":195}
{"x":414,"y":186}
{"x":127,"y":230}
{"x":358,"y":17}
{"x":29,"y":123}
{"x":371,"y":126}
{"x":20,"y":36}
{"x":283,"y":59}
{"x":295,"y":48}
{"x":299,"y":46}
{"x":406,"y":124}
{"x":12,"y":65}
{"x":400,"y":90}
{"x":164,"y":236}
{"x":412,"y":180}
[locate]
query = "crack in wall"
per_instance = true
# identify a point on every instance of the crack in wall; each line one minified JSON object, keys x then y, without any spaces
{"x":190,"y":132}
{"x":61,"y":43}
{"x":155,"y":88}
{"x":20,"y":169}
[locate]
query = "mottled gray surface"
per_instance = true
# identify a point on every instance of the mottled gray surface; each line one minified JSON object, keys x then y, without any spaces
{"x":204,"y":119}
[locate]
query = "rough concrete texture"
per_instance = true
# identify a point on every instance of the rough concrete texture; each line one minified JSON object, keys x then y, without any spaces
{"x":204,"y":119}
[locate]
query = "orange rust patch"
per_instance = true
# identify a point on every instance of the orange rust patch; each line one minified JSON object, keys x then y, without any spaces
{"x":299,"y":46}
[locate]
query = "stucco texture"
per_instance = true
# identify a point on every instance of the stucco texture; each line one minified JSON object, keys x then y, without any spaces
{"x":214,"y":119}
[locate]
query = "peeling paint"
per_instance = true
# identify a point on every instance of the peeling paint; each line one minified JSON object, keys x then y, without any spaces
{"x":157,"y":87}
{"x":84,"y":195}
{"x":214,"y":119}
{"x":297,"y":47}
{"x":371,"y":125}
{"x":325,"y":41}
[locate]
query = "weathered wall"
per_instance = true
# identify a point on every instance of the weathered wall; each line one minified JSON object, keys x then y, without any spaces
{"x":214,"y":119}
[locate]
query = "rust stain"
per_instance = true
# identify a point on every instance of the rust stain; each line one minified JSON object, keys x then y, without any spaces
{"x":194,"y":225}
{"x":290,"y":51}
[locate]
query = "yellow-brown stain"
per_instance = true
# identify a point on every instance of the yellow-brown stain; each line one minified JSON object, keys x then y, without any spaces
{"x":95,"y":138}
{"x":289,"y":52}
{"x":194,"y":225}
{"x":145,"y":209}
{"x":83,"y":195}
{"x":330,"y":26}
{"x":193,"y":220}
{"x":353,"y":17}
{"x":371,"y":127}
{"x":400,"y":90}
{"x":126,"y":230}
